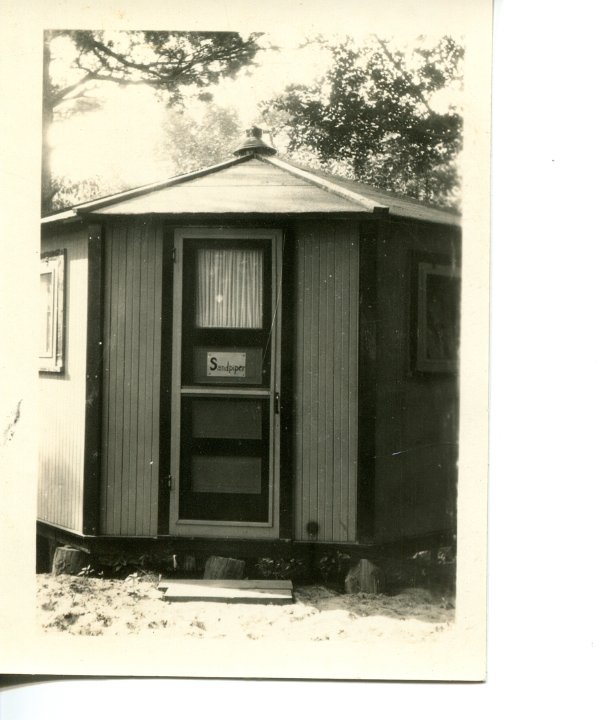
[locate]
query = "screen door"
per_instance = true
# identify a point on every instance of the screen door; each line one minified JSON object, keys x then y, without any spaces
{"x":225,"y":407}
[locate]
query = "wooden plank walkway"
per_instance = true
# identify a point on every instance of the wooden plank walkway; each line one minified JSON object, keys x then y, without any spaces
{"x":274,"y":592}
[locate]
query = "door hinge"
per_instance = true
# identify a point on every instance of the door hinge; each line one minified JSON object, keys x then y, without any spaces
{"x":173,"y":254}
{"x":277,"y":403}
{"x":167,"y":482}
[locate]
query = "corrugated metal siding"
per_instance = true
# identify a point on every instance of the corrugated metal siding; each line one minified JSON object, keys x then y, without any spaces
{"x":132,"y":364}
{"x":63,"y":397}
{"x":326,"y":381}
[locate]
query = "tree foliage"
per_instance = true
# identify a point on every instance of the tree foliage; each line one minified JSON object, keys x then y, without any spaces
{"x":169,"y":62}
{"x":189,"y":144}
{"x":70,"y":192}
{"x":373,"y":117}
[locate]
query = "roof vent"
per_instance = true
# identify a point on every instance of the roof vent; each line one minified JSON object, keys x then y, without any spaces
{"x":254,"y":144}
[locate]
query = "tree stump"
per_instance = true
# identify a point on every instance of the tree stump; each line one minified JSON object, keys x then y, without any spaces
{"x":364,"y":577}
{"x":68,"y":561}
{"x":221,"y":568}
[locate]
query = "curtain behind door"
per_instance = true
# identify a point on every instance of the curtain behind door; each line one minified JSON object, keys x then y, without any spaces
{"x":229,"y":288}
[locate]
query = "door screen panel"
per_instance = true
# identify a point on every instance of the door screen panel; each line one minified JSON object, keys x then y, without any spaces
{"x":224,"y":465}
{"x":239,"y":475}
{"x":229,"y":418}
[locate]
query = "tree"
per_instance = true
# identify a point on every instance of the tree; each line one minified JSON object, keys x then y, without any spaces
{"x":70,"y":192}
{"x":190,"y":144}
{"x":373,"y":118}
{"x":172,"y":63}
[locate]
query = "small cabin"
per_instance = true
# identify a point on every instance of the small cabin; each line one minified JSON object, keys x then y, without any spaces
{"x":251,"y":358}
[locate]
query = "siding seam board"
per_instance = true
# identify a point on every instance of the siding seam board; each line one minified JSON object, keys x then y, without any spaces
{"x":344,"y":383}
{"x":329,"y":509}
{"x":132,"y":476}
{"x":367,"y":377}
{"x":139,"y":463}
{"x":148,"y":385}
{"x":313,"y":498}
{"x":306,"y":385}
{"x":121,"y":366}
{"x":340,"y":528}
{"x":107,"y":369}
{"x":90,"y":499}
{"x":141,"y":455}
{"x":165,"y":237}
{"x":156,"y":378}
{"x":353,"y":430}
{"x":323,"y":350}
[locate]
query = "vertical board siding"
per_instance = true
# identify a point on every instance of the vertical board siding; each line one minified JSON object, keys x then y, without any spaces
{"x":327,"y":294}
{"x":130,"y":447}
{"x":63,"y":397}
{"x":416,"y":429}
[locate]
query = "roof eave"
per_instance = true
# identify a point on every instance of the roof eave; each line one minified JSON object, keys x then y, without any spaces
{"x":65,"y":216}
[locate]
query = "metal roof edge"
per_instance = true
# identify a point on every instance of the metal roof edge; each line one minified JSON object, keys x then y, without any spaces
{"x":58,"y":216}
{"x":327,"y":185}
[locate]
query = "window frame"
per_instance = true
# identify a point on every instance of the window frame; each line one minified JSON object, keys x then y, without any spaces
{"x":424,"y":362}
{"x":55,"y":263}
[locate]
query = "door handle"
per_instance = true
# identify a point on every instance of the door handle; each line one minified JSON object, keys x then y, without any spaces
{"x":277,"y":403}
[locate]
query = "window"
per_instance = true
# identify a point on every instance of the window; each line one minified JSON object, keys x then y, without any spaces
{"x":230,"y":288}
{"x":52,"y":300}
{"x":438,"y":317}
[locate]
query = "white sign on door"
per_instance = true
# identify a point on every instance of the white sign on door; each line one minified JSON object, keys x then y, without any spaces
{"x":226,"y":364}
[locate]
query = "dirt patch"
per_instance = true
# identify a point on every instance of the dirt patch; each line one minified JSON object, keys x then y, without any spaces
{"x":96,"y":606}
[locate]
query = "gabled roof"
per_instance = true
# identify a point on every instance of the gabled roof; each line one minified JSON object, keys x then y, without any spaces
{"x":256,"y":184}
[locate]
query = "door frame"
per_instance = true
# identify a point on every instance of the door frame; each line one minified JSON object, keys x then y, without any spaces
{"x":215,"y":528}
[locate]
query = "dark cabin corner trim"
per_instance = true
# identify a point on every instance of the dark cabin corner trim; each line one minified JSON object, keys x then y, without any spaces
{"x":94,"y":369}
{"x":287,"y":496}
{"x":165,"y":383}
{"x":367,"y":370}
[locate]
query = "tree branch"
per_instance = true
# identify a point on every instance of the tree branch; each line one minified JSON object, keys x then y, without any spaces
{"x":416,"y":90}
{"x":59,"y":96}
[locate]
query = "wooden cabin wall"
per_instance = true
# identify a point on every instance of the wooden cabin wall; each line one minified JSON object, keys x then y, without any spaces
{"x":63,"y":396}
{"x":325,"y":380}
{"x":131,"y":382}
{"x":416,"y":428}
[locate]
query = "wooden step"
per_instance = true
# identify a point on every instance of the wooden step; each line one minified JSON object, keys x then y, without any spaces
{"x":278,"y":592}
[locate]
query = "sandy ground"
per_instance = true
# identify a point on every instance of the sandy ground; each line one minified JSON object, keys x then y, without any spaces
{"x":96,"y":606}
